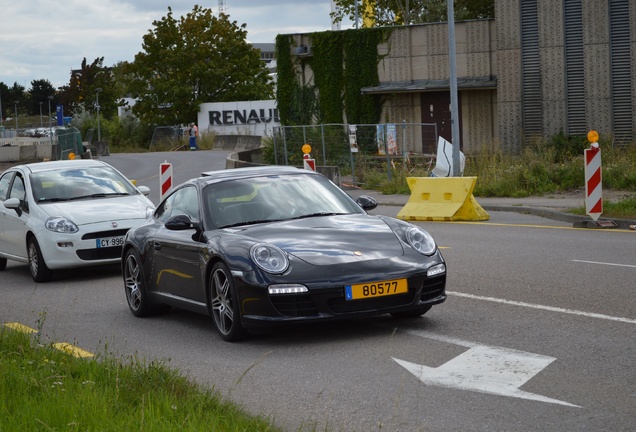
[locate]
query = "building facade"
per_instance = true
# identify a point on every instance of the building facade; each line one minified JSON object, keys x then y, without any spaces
{"x":539,"y":68}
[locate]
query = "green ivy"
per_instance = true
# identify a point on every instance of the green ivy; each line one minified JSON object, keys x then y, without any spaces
{"x":327,"y":66}
{"x":342,"y":64}
{"x":286,"y":78}
{"x":361,"y":70}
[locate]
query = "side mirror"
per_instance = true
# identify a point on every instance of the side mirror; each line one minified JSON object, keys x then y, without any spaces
{"x":180,"y":222}
{"x":367,"y":202}
{"x":144,"y":190}
{"x":13,"y":203}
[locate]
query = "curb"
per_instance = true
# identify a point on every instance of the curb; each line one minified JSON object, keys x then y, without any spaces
{"x":542,"y":212}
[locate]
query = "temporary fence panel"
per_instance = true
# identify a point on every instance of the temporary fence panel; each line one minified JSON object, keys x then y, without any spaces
{"x":69,"y":141}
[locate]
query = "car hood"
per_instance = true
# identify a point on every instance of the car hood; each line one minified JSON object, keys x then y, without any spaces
{"x":329,"y":240}
{"x":95,"y":210}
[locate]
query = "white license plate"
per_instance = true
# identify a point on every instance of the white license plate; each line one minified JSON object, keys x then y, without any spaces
{"x":109,"y":242}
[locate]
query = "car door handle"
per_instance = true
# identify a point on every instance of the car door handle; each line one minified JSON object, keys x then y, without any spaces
{"x":156,"y":245}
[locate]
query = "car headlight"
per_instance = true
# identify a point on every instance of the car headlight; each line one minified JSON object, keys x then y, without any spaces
{"x":61,"y":225}
{"x":149,"y":212}
{"x":421,"y":240}
{"x":269,"y":258}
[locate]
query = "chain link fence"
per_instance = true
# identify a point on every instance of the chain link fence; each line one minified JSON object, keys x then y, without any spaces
{"x":345,"y":145}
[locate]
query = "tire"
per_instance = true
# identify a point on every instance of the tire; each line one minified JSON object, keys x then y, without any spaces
{"x":135,"y":288}
{"x":411,"y":314}
{"x":3,"y":263}
{"x":39,"y":270}
{"x":224,"y":304}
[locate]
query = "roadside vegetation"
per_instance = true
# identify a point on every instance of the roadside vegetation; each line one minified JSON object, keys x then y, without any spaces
{"x":44,"y":389}
{"x":544,"y":167}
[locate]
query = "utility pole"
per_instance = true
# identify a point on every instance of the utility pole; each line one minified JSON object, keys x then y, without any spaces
{"x":453,"y":88}
{"x":50,"y":130}
{"x":99,"y":133}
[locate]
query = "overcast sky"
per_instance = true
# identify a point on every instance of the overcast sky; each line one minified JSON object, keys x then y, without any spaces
{"x":43,"y":39}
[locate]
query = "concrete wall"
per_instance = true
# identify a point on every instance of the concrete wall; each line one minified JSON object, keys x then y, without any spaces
{"x":597,"y":82}
{"x":419,"y":53}
{"x":25,"y":149}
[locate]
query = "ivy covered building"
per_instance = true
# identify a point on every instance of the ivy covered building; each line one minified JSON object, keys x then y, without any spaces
{"x":540,"y":68}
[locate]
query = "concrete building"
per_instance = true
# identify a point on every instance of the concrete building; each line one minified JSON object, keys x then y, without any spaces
{"x":539,"y":68}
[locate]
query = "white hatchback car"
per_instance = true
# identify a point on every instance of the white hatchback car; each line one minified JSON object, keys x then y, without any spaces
{"x":67,"y":214}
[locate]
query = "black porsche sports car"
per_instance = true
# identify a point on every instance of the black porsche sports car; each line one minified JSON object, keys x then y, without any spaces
{"x":271,"y":245}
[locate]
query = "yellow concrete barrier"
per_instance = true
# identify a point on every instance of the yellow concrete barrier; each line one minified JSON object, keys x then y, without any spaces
{"x":442,"y":199}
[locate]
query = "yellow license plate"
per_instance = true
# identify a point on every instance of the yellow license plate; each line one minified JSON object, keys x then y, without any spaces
{"x":376,"y":289}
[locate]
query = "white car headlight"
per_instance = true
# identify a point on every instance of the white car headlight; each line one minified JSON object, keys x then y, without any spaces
{"x":421,"y":240}
{"x":149,"y":212}
{"x":61,"y":225}
{"x":269,"y":258}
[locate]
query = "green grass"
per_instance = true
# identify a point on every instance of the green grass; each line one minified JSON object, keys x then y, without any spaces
{"x":625,"y":209}
{"x":44,"y":389}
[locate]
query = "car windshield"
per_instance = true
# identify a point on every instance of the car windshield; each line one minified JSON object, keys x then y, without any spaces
{"x":79,"y":183}
{"x":274,"y":198}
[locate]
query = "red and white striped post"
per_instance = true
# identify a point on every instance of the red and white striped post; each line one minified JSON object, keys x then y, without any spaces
{"x":593,"y":178}
{"x":308,"y":162}
{"x":165,"y":179}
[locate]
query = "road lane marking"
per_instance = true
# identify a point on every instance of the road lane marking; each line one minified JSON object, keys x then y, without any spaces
{"x":483,"y":369}
{"x":543,"y":307}
{"x":60,"y":346}
{"x":514,"y":225}
{"x":605,"y":263}
{"x":20,"y":327}
{"x":72,"y":350}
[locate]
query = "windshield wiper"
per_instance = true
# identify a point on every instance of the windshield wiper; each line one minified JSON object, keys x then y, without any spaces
{"x":252,"y":222}
{"x":318,"y":214}
{"x":100,"y":195}
{"x":48,"y":200}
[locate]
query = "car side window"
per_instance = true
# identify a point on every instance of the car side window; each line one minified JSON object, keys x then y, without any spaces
{"x":164,"y":211}
{"x":184,"y":201}
{"x":187,"y":203}
{"x":17,"y":188}
{"x":5,"y":181}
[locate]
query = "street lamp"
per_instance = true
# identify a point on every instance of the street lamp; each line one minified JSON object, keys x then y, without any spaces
{"x":16,"y":118}
{"x":40,"y":114}
{"x":50,"y":131}
{"x":99,"y":134}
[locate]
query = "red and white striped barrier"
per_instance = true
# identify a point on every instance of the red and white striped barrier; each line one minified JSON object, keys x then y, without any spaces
{"x":165,"y":179}
{"x":308,"y":162}
{"x":593,"y":178}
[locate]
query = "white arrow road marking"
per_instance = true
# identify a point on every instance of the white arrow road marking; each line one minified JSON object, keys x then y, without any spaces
{"x":484,"y":369}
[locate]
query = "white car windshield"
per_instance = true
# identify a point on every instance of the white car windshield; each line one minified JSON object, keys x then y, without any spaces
{"x":79,"y":183}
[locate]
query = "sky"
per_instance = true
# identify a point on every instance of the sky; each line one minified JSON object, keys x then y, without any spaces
{"x":43,"y":39}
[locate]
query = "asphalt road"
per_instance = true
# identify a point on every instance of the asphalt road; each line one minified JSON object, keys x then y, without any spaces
{"x":538,"y":334}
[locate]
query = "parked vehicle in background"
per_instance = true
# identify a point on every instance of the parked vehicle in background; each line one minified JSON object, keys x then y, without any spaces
{"x":67,"y":214}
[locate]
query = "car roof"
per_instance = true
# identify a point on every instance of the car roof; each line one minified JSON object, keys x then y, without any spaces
{"x":239,"y":173}
{"x":61,"y":164}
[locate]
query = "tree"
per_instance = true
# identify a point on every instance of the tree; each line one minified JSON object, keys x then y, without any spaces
{"x":11,"y":95}
{"x":81,"y":92}
{"x":4,"y":101}
{"x":39,"y":93}
{"x":196,"y":59}
{"x":392,"y":12}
